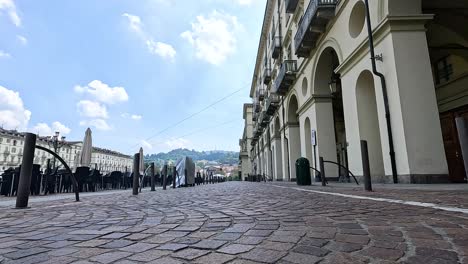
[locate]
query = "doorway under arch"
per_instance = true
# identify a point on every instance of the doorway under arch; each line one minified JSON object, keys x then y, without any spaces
{"x":277,"y":151}
{"x":329,"y":119}
{"x":294,"y":137}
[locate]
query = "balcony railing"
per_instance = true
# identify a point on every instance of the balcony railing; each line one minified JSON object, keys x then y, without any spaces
{"x":256,"y":107}
{"x":272,"y":103}
{"x":312,"y":25}
{"x":286,"y":77}
{"x":276,"y":47}
{"x":291,"y":5}
{"x":260,"y":93}
{"x":264,"y":119}
{"x":267,"y":75}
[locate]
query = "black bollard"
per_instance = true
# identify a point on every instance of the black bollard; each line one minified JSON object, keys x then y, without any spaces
{"x":322,"y":172}
{"x":365,"y":166}
{"x":174,"y":175}
{"x":164,"y":175}
{"x":136,"y":172}
{"x":24,"y":185}
{"x":153,"y":176}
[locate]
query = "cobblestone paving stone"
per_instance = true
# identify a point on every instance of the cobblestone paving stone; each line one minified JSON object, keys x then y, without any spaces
{"x":232,"y":223}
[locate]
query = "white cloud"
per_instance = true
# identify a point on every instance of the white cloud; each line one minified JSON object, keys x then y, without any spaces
{"x":63,"y":129}
{"x":13,"y":115}
{"x":134,"y":116}
{"x":4,"y":54}
{"x":146,"y":145}
{"x":9,"y":7}
{"x":134,"y":22}
{"x":44,"y":129}
{"x":103,"y":92}
{"x":137,"y":117}
{"x":161,"y":49}
{"x":22,"y":39}
{"x":92,"y":109}
{"x":213,"y":37}
{"x":175,"y":143}
{"x":99,"y":124}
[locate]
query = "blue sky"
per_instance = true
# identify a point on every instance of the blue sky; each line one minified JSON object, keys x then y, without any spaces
{"x":129,"y":69}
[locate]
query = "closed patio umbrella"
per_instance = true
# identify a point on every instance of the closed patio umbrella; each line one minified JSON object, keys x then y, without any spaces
{"x":86,"y":151}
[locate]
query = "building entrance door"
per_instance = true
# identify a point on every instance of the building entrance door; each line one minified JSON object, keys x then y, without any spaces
{"x":452,"y":144}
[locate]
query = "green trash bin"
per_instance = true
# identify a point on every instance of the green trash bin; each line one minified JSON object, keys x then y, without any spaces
{"x":303,"y":172}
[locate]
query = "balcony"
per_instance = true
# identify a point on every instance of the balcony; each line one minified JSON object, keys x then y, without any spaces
{"x":260,"y":93}
{"x":312,"y":25}
{"x":275,"y":47}
{"x":272,"y":104}
{"x":286,"y":77}
{"x":291,"y":5}
{"x":267,"y":75}
{"x":256,"y":107}
{"x":264,"y":119}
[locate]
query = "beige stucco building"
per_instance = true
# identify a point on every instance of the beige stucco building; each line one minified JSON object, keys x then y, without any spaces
{"x":308,"y":47}
{"x":245,"y":158}
{"x":11,"y":148}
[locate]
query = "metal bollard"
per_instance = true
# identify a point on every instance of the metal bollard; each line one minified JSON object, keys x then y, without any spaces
{"x":164,"y":175}
{"x":24,"y":184}
{"x":174,"y":174}
{"x":365,"y":166}
{"x":322,"y":171}
{"x":136,"y":172}
{"x":153,"y":180}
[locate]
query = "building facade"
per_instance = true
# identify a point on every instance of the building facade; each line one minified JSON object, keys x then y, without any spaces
{"x":245,"y":157}
{"x":315,"y":92}
{"x":11,"y":148}
{"x":108,"y":161}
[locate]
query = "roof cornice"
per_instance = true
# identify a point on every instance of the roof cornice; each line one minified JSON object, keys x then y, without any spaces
{"x":261,"y":45}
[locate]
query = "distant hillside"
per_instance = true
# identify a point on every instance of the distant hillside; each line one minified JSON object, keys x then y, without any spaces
{"x":218,"y":156}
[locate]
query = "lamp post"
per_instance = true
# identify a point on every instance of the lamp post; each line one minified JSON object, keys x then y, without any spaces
{"x":56,"y":144}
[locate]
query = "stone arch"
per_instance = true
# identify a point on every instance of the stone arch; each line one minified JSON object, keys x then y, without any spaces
{"x":305,"y":87}
{"x":329,"y":114}
{"x":368,"y":120}
{"x":293,"y":107}
{"x":277,"y":126}
{"x":330,"y":43}
{"x":294,"y":137}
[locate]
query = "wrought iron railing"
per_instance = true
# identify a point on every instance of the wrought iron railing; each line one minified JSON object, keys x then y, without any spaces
{"x":275,"y":47}
{"x":291,"y":5}
{"x":306,"y":19}
{"x":287,"y":67}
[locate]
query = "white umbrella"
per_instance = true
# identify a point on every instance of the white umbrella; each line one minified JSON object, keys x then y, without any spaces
{"x":142,"y":162}
{"x":86,"y":151}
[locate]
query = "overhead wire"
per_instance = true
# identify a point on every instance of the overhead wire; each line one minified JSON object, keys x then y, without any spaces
{"x":191,"y":115}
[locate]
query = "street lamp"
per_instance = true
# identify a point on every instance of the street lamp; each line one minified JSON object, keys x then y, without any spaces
{"x":56,"y":144}
{"x":335,"y":83}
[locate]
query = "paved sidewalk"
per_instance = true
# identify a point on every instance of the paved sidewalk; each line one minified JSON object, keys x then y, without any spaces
{"x":455,"y":195}
{"x":234,"y":222}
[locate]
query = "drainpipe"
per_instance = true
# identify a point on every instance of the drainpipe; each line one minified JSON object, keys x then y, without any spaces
{"x":384,"y":92}
{"x":286,"y":139}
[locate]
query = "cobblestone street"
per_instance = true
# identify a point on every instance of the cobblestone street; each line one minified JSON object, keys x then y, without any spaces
{"x":234,"y":222}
